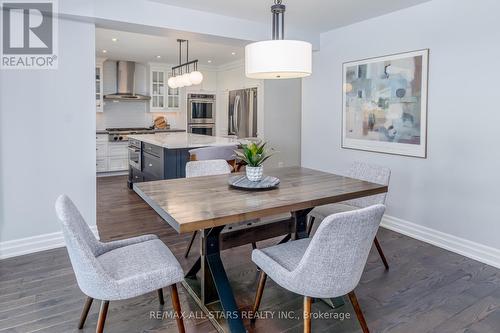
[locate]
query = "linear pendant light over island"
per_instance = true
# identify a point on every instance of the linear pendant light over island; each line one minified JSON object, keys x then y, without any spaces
{"x":182,"y":76}
{"x":278,"y":58}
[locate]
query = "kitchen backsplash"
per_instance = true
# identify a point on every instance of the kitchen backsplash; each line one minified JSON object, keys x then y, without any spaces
{"x":128,"y":114}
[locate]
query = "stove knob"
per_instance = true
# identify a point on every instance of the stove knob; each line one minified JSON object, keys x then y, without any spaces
{"x":115,"y":138}
{"x":120,"y":138}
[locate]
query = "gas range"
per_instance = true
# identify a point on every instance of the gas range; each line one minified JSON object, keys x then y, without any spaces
{"x":121,"y":134}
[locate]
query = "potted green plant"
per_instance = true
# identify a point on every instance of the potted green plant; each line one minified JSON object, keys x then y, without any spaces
{"x":253,"y":155}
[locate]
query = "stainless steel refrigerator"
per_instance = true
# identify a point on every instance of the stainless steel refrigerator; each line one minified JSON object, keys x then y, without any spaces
{"x":242,"y":116}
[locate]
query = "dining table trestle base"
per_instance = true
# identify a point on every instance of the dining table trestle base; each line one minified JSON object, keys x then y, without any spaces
{"x":212,"y":291}
{"x":207,"y":281}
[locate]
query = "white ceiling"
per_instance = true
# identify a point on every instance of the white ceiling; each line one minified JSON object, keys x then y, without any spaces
{"x":313,"y":15}
{"x":145,"y":48}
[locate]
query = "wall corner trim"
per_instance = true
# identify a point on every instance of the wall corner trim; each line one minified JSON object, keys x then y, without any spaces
{"x":18,"y":247}
{"x":482,"y":253}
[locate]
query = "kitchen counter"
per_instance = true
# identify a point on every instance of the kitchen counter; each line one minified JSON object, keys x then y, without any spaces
{"x":169,"y":130}
{"x":183,"y":140}
{"x":165,"y":155}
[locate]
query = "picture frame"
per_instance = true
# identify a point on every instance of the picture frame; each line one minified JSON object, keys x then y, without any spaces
{"x":384,"y":104}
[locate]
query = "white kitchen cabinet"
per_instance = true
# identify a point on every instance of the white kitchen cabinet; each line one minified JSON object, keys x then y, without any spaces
{"x":110,"y":156}
{"x":158,"y":89}
{"x":99,"y":101}
{"x":117,"y":163}
{"x":163,"y":98}
{"x":101,"y":149}
{"x":101,"y":164}
{"x":173,"y":97}
{"x":99,"y":85}
{"x":117,"y":156}
{"x":117,"y":149}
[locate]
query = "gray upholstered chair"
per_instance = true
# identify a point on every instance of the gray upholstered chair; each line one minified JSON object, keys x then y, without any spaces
{"x":327,"y":265}
{"x":367,"y":172}
{"x":205,"y":168}
{"x":216,"y":153}
{"x":213,"y":153}
{"x":117,"y":270}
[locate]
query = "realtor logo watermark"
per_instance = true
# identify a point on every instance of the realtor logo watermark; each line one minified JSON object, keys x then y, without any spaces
{"x":29,"y":34}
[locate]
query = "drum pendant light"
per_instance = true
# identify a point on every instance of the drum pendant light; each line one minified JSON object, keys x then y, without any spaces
{"x":278,"y":58}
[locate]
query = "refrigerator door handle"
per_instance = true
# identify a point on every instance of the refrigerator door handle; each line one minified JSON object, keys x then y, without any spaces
{"x":236,"y":115}
{"x":230,"y":130}
{"x":250,"y":113}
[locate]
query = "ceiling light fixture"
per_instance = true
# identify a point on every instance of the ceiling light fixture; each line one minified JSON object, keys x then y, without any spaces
{"x":182,"y":76}
{"x":114,"y":39}
{"x":104,"y":51}
{"x":278,"y":58}
{"x":158,"y":56}
{"x":233,"y":53}
{"x":209,"y":61}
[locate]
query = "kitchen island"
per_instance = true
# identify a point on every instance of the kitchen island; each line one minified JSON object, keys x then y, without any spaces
{"x":164,"y":155}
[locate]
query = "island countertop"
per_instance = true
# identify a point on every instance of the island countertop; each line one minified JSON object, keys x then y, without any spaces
{"x":183,"y":140}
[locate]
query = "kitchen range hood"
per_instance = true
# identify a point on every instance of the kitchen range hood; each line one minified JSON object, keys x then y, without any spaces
{"x":125,"y":78}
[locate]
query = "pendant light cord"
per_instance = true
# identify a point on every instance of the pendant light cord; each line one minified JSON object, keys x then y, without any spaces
{"x":184,"y":67}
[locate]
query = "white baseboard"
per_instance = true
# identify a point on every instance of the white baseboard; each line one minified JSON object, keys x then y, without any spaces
{"x":467,"y":248}
{"x":485,"y":254}
{"x":33,"y":244}
{"x":111,"y":173}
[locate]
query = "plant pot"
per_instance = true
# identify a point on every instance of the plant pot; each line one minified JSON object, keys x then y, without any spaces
{"x":254,"y":174}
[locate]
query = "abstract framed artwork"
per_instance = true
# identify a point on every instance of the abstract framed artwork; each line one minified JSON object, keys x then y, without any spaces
{"x":385,"y":104}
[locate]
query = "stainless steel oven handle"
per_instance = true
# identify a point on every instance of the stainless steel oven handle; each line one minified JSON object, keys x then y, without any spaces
{"x":202,"y":100}
{"x":134,"y":150}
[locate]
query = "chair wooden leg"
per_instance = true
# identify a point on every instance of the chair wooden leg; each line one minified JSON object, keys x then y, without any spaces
{"x":310,"y":225}
{"x":190,"y":244}
{"x":307,"y":314}
{"x":103,"y":312}
{"x":160,"y":297}
{"x":254,"y":246}
{"x":85,"y":312}
{"x":359,"y":313}
{"x":177,"y":308}
{"x":381,"y":253}
{"x":258,"y":295}
{"x":286,"y":239}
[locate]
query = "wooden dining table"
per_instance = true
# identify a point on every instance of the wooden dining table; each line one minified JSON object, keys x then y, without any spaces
{"x":209,"y":204}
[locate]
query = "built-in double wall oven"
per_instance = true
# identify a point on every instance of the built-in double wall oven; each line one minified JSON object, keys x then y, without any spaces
{"x":201,"y":114}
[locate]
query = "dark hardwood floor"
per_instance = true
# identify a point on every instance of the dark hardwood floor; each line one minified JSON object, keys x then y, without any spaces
{"x":426,"y":290}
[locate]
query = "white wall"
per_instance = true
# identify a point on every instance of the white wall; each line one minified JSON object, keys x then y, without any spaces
{"x":47,"y":123}
{"x":282,"y":120}
{"x":278,"y":111}
{"x":455,"y":190}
